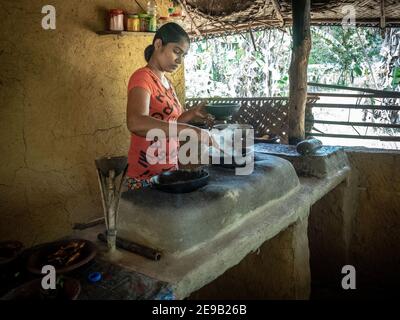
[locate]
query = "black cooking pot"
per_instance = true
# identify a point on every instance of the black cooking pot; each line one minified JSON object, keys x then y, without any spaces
{"x":222,"y":110}
{"x":180,"y":181}
{"x":229,"y":161}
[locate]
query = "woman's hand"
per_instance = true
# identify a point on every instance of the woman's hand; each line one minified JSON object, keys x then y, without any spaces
{"x":197,"y":113}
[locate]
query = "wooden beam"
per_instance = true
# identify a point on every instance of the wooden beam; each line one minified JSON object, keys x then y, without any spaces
{"x":358,"y":124}
{"x":342,"y":95}
{"x":383,"y":17}
{"x":355,"y":106}
{"x":278,"y":12}
{"x":353,"y":136}
{"x":298,"y":69}
{"x":141,"y":8}
{"x":383,"y":93}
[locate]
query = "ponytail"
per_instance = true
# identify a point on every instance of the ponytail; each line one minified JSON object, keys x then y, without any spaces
{"x":148,"y":52}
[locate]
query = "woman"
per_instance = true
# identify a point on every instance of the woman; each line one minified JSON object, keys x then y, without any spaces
{"x":153,"y":104}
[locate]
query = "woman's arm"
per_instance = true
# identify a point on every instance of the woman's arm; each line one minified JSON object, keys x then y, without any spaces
{"x":140,"y":122}
{"x":196,"y":113}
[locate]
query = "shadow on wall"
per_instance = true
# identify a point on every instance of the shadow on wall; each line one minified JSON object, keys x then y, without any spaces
{"x":97,"y":25}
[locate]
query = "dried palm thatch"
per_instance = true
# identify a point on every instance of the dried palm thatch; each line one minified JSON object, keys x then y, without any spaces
{"x":227,"y":16}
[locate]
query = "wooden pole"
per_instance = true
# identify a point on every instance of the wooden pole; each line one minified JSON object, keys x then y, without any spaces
{"x":383,"y":19}
{"x":298,"y":69}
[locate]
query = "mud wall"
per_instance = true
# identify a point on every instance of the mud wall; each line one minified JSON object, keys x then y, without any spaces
{"x":358,"y":223}
{"x":63,"y":103}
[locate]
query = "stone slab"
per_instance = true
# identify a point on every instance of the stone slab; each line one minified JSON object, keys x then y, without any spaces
{"x":325,"y":162}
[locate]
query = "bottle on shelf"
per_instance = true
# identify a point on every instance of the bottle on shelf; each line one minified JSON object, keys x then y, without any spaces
{"x":151,"y":7}
{"x":144,"y":22}
{"x":133,"y":22}
{"x":152,"y":16}
{"x":116,"y":17}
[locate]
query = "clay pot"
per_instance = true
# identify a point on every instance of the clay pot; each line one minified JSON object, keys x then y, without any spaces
{"x":38,"y":258}
{"x":9,"y":252}
{"x":33,"y":290}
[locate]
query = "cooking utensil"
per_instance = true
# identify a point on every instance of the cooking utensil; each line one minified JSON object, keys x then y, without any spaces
{"x":111,"y":172}
{"x":222,"y":111}
{"x":230,"y":160}
{"x":180,"y":181}
{"x":309,"y":146}
{"x":69,"y":259}
{"x":144,"y":251}
{"x":226,"y":137}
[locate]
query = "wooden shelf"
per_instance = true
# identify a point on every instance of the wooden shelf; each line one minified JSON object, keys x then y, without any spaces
{"x":125,"y":33}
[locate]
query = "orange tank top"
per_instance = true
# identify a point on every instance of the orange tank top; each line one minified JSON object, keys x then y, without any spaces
{"x":164,"y":105}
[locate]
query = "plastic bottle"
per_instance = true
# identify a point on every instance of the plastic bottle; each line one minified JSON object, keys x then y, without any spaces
{"x":151,"y":7}
{"x":152,"y":13}
{"x":165,"y":294}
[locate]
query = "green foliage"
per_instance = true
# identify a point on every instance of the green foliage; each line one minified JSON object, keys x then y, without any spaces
{"x":231,"y":66}
{"x":348,"y":53}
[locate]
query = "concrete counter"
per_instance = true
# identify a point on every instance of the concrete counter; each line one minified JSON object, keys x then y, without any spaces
{"x":192,"y":271}
{"x":179,"y":223}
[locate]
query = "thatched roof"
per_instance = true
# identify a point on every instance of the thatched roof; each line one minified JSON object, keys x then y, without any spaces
{"x":206,"y":17}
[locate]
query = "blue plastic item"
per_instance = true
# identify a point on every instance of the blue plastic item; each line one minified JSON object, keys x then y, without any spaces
{"x":165,"y":295}
{"x":94,"y":277}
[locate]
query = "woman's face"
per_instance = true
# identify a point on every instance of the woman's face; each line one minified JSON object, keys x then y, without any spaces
{"x":171,"y":55}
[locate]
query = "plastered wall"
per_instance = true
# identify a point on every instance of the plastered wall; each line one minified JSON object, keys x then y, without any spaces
{"x":358,"y":223}
{"x":62,"y":104}
{"x":376,"y":243}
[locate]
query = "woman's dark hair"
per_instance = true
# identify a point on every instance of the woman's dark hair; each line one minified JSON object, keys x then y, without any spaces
{"x":169,"y":32}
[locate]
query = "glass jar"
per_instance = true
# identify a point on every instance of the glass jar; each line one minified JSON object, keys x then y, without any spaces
{"x":144,"y":19}
{"x":133,"y":22}
{"x":116,"y":20}
{"x":152,"y":25}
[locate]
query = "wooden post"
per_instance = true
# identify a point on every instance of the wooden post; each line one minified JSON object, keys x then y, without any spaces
{"x":298,"y":69}
{"x":383,"y":19}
